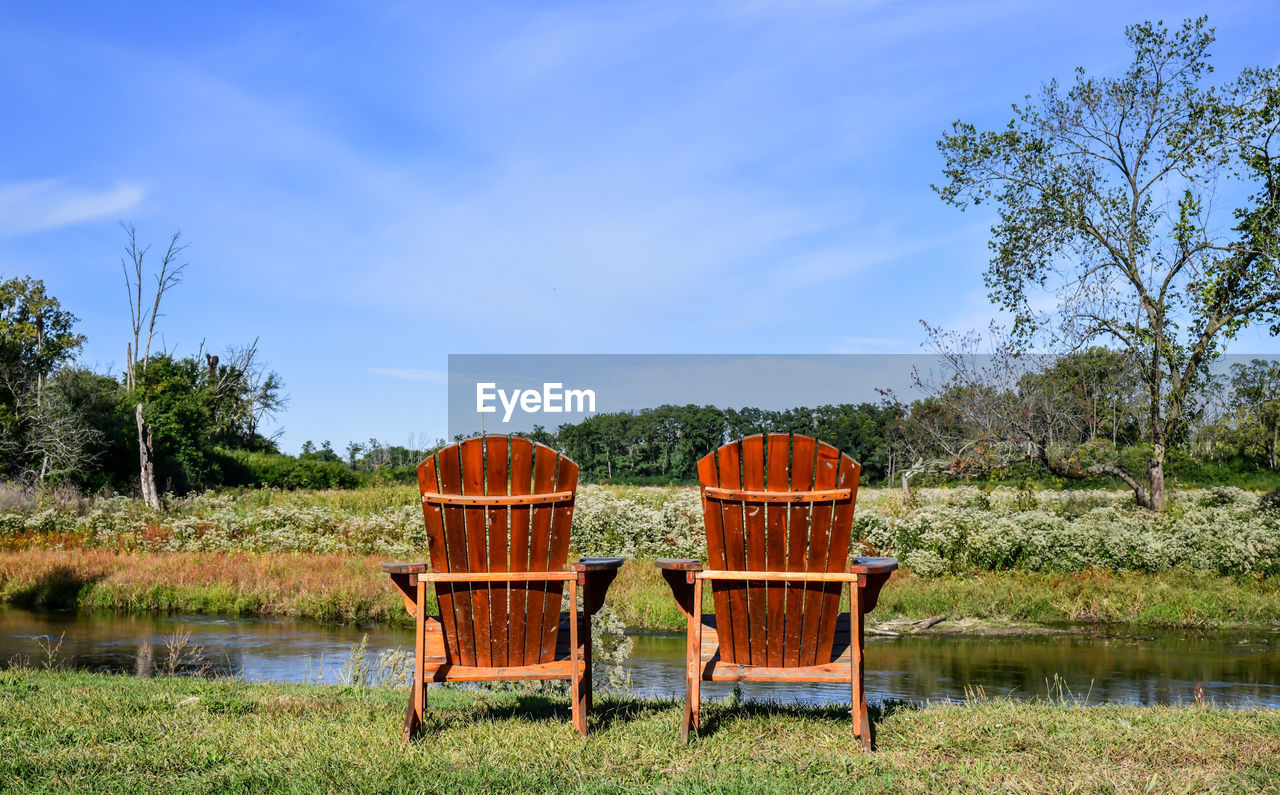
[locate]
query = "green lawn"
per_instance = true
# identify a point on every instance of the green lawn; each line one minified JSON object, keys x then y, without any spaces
{"x":70,"y":731}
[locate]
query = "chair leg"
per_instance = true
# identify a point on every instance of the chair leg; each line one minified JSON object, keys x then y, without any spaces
{"x":692,"y":664}
{"x":418,"y":692}
{"x":586,"y":666}
{"x":695,"y":671}
{"x":577,"y":694}
{"x":412,"y":724}
{"x":858,"y":704}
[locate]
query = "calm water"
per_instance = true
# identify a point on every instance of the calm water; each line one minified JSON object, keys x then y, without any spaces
{"x":1145,"y":667}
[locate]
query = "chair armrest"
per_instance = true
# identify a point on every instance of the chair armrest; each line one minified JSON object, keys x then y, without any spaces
{"x":678,"y":564}
{"x":877,"y":572}
{"x":680,"y":574}
{"x":595,"y":575}
{"x":405,"y":568}
{"x":404,"y":576}
{"x":596,"y":564}
{"x":873,"y":565}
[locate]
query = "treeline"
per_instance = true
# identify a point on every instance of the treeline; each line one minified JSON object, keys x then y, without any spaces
{"x":61,"y":423}
{"x":663,"y":444}
{"x":202,"y":415}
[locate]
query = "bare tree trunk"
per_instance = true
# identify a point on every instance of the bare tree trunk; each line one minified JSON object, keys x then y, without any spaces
{"x":146,"y":462}
{"x":907,"y":475}
{"x":1156,"y":494}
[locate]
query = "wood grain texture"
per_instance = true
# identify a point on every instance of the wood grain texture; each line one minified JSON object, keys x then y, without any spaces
{"x":521,"y":484}
{"x":713,"y":522}
{"x":824,"y":477}
{"x":778,"y":481}
{"x":538,"y":631}
{"x":498,"y":536}
{"x":755,"y":541}
{"x":798,"y":518}
{"x":449,"y":466}
{"x":472,"y":454}
{"x":738,"y":646}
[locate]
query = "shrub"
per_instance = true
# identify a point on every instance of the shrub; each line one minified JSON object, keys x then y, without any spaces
{"x":1224,"y":531}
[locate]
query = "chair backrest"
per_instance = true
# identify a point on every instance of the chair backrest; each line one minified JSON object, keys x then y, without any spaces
{"x":497,"y":503}
{"x":779,"y":502}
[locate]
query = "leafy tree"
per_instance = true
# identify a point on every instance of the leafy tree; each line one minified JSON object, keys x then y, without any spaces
{"x":1255,"y":400}
{"x":1104,"y":193}
{"x":40,"y":436}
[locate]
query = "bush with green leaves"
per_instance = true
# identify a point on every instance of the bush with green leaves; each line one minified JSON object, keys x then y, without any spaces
{"x":1224,"y":530}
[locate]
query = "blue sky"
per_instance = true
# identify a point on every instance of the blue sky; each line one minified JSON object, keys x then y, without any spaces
{"x":367,"y":188}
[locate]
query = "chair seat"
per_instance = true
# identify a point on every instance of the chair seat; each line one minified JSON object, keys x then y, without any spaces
{"x":437,"y":667}
{"x":837,"y":670}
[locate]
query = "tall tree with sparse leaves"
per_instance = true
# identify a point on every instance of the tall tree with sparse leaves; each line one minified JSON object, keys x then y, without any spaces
{"x":1105,"y":194}
{"x":142,"y":325}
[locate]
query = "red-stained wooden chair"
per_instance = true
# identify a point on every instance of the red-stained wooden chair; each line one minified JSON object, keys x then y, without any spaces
{"x":498,"y":511}
{"x":778,"y":512}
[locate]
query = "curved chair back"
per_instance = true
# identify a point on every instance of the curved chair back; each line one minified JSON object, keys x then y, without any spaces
{"x":780,"y":502}
{"x":498,"y":503}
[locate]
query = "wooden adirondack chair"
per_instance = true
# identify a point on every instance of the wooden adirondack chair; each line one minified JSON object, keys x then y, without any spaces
{"x":778,"y":512}
{"x":498,"y":511}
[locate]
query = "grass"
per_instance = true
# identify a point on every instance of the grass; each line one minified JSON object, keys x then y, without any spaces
{"x":332,"y":588}
{"x":72,"y":731}
{"x":352,"y":589}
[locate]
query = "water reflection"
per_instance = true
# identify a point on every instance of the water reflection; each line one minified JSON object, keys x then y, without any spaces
{"x":1235,"y":668}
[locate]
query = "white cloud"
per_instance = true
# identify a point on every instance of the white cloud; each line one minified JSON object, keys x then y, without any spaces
{"x":49,"y":204}
{"x":429,"y":376}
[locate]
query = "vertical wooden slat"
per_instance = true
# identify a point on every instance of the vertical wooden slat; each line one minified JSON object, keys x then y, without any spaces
{"x":824,"y":477}
{"x":450,"y":471}
{"x":798,"y":527}
{"x":544,"y":481}
{"x":558,"y":553}
{"x":419,"y":660}
{"x":729,"y":460}
{"x":756,"y":550}
{"x":578,"y":704}
{"x":521,"y":481}
{"x":712,"y":519}
{"x":779,"y":445}
{"x":495,"y":484}
{"x":472,"y":453}
{"x":437,"y":549}
{"x":837,"y":554}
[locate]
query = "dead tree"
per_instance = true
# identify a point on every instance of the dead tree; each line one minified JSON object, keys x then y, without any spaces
{"x":138,"y":351}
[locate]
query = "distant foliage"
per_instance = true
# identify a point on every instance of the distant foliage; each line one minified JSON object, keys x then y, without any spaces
{"x":1224,"y":531}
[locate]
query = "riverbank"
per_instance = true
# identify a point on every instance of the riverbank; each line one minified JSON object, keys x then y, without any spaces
{"x":352,"y":589}
{"x":71,"y":731}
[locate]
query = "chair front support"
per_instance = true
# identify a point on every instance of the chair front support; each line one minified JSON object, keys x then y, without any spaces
{"x":686,"y":576}
{"x":589,"y":577}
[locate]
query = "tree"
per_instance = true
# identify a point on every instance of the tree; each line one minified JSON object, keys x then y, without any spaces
{"x":1105,"y":196}
{"x":136,"y":355}
{"x":40,"y":434}
{"x":1255,"y":401}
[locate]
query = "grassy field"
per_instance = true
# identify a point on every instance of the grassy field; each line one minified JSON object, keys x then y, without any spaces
{"x":69,"y":731}
{"x":352,"y":589}
{"x":1002,"y":556}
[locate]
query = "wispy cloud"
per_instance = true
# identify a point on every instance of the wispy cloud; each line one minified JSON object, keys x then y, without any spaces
{"x":872,"y":345}
{"x":52,"y":203}
{"x":429,"y":376}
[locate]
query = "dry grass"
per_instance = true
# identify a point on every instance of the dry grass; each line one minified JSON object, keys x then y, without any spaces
{"x":352,"y":588}
{"x":342,"y":588}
